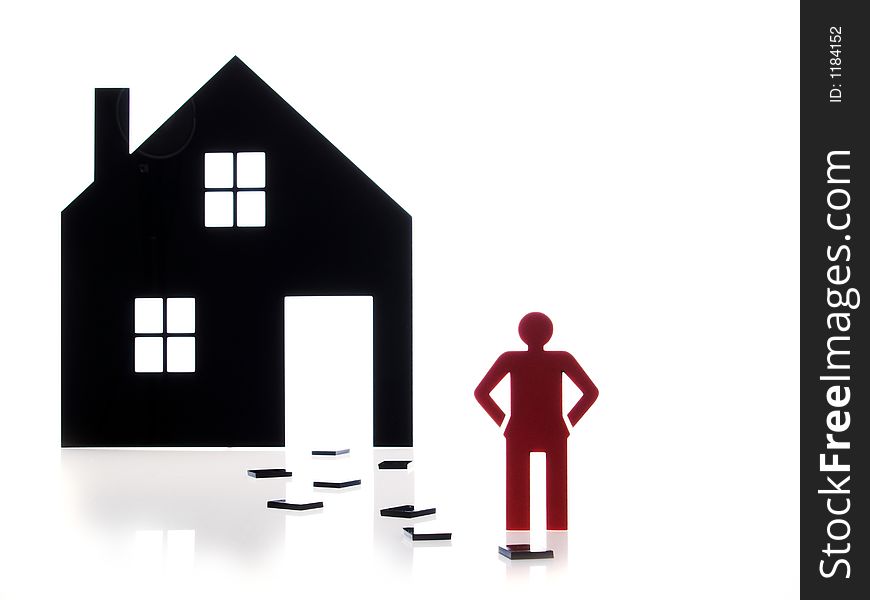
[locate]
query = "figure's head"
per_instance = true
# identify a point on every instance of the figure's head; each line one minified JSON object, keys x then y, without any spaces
{"x":536,"y":329}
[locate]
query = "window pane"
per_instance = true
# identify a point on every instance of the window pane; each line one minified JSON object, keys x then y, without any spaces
{"x":251,"y":209}
{"x":148,"y":354}
{"x":148,"y":315}
{"x":218,"y":209}
{"x":180,"y":315}
{"x":180,"y":354}
{"x":251,"y":169}
{"x":219,"y":169}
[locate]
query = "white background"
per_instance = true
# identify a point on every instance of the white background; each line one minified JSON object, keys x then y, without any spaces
{"x":629,"y":168}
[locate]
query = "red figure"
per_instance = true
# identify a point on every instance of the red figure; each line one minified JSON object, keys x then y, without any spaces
{"x":536,"y":423}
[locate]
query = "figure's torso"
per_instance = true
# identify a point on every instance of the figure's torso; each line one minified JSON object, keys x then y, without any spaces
{"x":536,"y":396}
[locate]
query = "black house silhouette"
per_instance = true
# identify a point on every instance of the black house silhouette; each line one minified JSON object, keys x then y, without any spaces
{"x":177,"y":259}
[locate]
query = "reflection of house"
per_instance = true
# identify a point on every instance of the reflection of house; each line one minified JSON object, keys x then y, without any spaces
{"x":179,"y":501}
{"x":174,"y":495}
{"x":177,"y":259}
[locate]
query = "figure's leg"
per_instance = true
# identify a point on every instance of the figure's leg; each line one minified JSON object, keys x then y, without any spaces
{"x":517,"y":494}
{"x":557,"y":486}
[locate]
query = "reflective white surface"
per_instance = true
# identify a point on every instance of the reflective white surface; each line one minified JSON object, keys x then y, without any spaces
{"x":168,"y":523}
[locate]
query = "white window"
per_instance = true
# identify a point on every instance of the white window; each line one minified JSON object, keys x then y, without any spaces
{"x":235,"y":189}
{"x":164,"y":340}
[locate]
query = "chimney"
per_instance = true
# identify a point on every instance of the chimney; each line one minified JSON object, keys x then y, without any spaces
{"x":111,"y":130}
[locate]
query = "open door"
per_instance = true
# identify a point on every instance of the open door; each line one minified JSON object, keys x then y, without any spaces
{"x":328,"y":364}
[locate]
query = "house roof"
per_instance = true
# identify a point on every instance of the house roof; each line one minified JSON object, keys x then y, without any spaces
{"x":235,"y":79}
{"x":236,"y":110}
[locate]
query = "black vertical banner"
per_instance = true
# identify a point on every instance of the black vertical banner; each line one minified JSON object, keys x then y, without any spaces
{"x":835,"y":227}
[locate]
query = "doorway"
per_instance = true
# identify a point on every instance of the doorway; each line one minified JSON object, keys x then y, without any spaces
{"x":328,"y":367}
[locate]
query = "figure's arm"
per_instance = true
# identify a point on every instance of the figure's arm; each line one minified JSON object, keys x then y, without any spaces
{"x":496,"y":373}
{"x":576,"y":374}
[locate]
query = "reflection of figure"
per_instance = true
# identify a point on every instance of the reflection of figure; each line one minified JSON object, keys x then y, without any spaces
{"x":536,"y":423}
